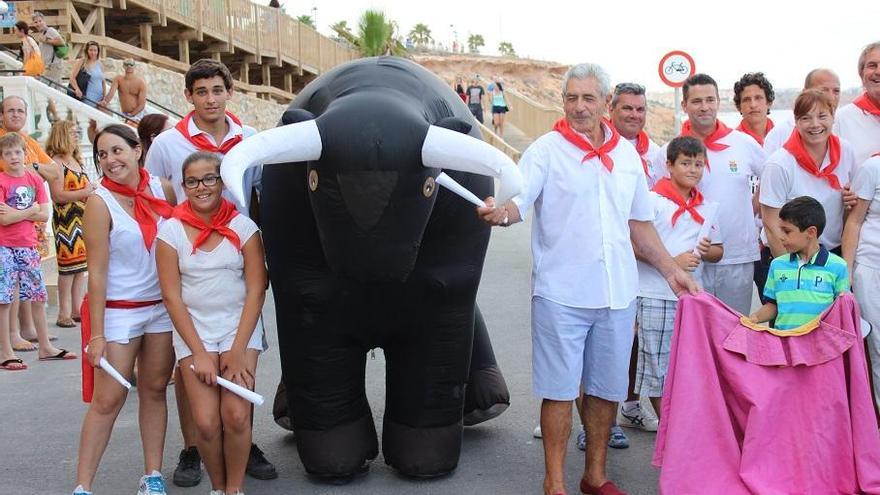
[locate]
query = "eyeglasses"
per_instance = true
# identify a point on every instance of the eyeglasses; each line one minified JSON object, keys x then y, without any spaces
{"x":629,"y":88}
{"x":208,"y":181}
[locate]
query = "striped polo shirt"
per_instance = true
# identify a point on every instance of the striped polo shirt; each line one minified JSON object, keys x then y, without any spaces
{"x":802,"y":291}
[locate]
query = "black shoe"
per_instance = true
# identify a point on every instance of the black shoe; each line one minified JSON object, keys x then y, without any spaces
{"x":189,"y":469}
{"x":258,"y":466}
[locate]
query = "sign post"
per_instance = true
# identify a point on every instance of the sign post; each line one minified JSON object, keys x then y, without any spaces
{"x":674,"y":69}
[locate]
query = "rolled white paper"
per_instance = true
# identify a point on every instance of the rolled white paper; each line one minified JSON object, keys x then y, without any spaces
{"x":449,"y":183}
{"x":106,"y":366}
{"x":710,"y":216}
{"x":238,"y":390}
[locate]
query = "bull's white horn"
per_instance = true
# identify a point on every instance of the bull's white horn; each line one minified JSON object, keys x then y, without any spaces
{"x":450,"y":183}
{"x":299,"y":142}
{"x":451,"y":150}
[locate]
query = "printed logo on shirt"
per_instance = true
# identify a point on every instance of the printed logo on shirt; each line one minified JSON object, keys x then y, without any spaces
{"x":732,"y":165}
{"x":817,"y":281}
{"x":22,"y":198}
{"x":783,"y":278}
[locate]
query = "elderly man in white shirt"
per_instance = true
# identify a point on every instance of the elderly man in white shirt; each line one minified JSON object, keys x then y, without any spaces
{"x":859,"y":122}
{"x":592,"y":218}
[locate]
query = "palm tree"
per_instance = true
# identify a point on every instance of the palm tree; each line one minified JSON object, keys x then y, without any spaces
{"x":505,"y":48}
{"x":307,"y":20}
{"x":343,"y":33}
{"x":376,"y":35}
{"x":475,"y":41}
{"x":421,"y":35}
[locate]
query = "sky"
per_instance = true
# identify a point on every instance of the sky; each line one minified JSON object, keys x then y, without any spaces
{"x":782,"y":38}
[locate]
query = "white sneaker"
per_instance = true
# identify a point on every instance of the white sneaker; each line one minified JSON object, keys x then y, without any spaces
{"x":79,"y":490}
{"x":152,"y":484}
{"x":217,"y":492}
{"x":635,"y":418}
{"x":537,"y":432}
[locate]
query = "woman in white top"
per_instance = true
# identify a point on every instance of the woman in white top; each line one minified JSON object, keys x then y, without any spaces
{"x":213,"y":277}
{"x":123,"y":317}
{"x":813,"y":162}
{"x":861,"y":250}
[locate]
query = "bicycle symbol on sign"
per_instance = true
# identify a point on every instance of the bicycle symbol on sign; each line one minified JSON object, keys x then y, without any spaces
{"x":680,"y":67}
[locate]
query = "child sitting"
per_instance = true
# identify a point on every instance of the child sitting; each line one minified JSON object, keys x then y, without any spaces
{"x":804,"y":282}
{"x":678,"y":218}
{"x":23,"y":201}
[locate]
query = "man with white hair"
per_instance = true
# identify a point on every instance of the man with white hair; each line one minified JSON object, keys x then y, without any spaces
{"x":592,"y":211}
{"x":859,"y":122}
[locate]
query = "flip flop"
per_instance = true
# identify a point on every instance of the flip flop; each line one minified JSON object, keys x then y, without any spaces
{"x":76,"y":318}
{"x":22,"y":348}
{"x":64,"y":355}
{"x":14,"y":364}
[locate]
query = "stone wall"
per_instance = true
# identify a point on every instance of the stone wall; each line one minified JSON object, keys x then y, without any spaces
{"x":166,"y":88}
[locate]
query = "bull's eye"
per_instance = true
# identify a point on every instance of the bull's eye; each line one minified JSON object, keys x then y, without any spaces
{"x":313,"y":180}
{"x":428,"y":188}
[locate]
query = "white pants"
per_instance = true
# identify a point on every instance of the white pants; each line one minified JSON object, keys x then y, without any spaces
{"x":866,"y":284}
{"x":732,"y":284}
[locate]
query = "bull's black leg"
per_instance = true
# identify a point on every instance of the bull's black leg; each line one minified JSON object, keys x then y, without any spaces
{"x":486,"y":395}
{"x":426,"y":371}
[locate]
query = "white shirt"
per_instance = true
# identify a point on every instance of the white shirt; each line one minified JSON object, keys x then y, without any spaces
{"x":212,"y":283}
{"x":726,"y":181}
{"x":170,"y":148}
{"x":866,"y":185}
{"x":776,"y":138}
{"x":683,"y":237}
{"x":861,"y":129}
{"x":131,"y":269}
{"x":783,"y":180}
{"x":654,"y":159}
{"x":581,"y":248}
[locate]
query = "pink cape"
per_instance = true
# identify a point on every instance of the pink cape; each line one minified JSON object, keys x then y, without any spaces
{"x":748,"y":412}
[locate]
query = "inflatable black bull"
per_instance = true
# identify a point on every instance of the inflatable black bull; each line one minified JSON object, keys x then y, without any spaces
{"x":366,"y":250}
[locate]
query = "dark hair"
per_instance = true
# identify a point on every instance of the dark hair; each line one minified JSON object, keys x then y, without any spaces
{"x":499,"y":86}
{"x":121,"y":130}
{"x":200,"y":156}
{"x":697,"y":80}
{"x":86,"y":49}
{"x":149,"y":127}
{"x":626,"y":88}
{"x":753,"y":79}
{"x":459,"y":89}
{"x":684,"y":145}
{"x":22,"y":26}
{"x":804,"y":212}
{"x":809,"y":99}
{"x":207,"y":68}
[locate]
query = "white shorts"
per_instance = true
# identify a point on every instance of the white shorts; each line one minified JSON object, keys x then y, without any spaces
{"x":732,"y":284}
{"x":220,"y":344}
{"x":122,"y":325}
{"x":581,"y":347}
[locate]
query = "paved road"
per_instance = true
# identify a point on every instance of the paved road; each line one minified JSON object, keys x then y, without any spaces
{"x":41,"y":415}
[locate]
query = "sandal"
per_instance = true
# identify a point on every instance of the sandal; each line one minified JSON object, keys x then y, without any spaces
{"x":63,"y":355}
{"x":76,"y":318}
{"x":14,"y":364}
{"x":65,"y":323}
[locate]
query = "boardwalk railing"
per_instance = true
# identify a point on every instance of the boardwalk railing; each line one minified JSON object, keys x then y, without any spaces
{"x":529,"y":116}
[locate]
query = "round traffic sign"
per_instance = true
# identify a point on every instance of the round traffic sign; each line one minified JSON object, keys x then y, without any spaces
{"x":675,"y":67}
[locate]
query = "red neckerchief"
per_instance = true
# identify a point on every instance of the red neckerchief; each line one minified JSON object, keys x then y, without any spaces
{"x":867,"y":105}
{"x":642,"y":144}
{"x":562,"y":127}
{"x":219,"y":223}
{"x":664,"y":187}
{"x":711,"y":141}
{"x":201,"y":141}
{"x":744,"y":128}
{"x":795,"y":146}
{"x":144,"y":205}
{"x":88,"y":373}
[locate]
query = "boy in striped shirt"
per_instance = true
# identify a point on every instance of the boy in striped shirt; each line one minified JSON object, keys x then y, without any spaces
{"x":804,"y":282}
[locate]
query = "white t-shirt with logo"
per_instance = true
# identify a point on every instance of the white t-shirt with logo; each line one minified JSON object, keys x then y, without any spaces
{"x":683,"y":237}
{"x":783,"y":180}
{"x":866,"y":185}
{"x":861,"y":129}
{"x":727,"y":181}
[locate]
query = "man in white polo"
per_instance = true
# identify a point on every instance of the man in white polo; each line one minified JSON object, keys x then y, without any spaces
{"x":826,"y":81}
{"x":628,"y":113}
{"x":733,"y":158}
{"x":591,"y":213}
{"x":859,"y":122}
